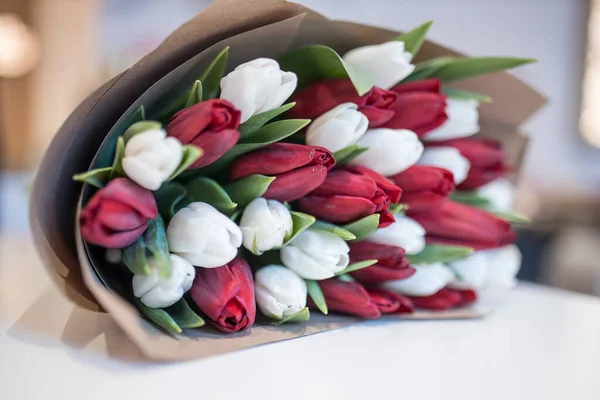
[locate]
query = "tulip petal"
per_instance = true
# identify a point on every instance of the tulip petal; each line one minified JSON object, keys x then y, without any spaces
{"x":337,"y":209}
{"x":291,"y":186}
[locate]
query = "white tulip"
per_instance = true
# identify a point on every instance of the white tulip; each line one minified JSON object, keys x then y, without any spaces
{"x":203,"y":236}
{"x":265,"y":225}
{"x":463,"y":121}
{"x":279,"y":291}
{"x":448,"y":158}
{"x":257,"y":86}
{"x":388,"y":63}
{"x":500,"y":193}
{"x":339,"y":127}
{"x":470,"y":272}
{"x":316,"y":255}
{"x":428,"y":280}
{"x":151,"y":157}
{"x":156,"y":292}
{"x":390,"y":151}
{"x":405,"y":232}
{"x":504,"y":264}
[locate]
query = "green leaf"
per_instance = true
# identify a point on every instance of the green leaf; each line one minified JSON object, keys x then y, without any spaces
{"x":316,"y":62}
{"x":414,"y":38}
{"x":159,"y":316}
{"x":134,"y":258}
{"x":438,"y":253}
{"x":169,"y":199}
{"x":117,"y":166}
{"x":195,"y":95}
{"x":301,"y":223}
{"x":336,"y":230}
{"x":363,"y":227}
{"x":237,"y":214}
{"x":155,"y":239}
{"x":140,"y":127}
{"x":462,"y":68}
{"x":208,"y":191}
{"x":211,"y":77}
{"x":470,"y":198}
{"x":184,"y":316}
{"x":427,"y":68}
{"x":397,"y":208}
{"x":191,"y":154}
{"x":244,"y":190}
{"x":357,"y":266}
{"x":513,"y":218}
{"x":96,"y":177}
{"x":347,"y":154}
{"x":259,"y":120}
{"x":316,"y":294}
{"x":466,"y":95}
{"x":346,"y":278}
{"x":300,"y":316}
{"x":139,"y":115}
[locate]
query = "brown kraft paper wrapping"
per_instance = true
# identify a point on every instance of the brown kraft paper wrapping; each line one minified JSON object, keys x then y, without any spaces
{"x":252,"y":28}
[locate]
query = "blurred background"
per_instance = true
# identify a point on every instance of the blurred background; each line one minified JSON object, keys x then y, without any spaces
{"x":55,"y":52}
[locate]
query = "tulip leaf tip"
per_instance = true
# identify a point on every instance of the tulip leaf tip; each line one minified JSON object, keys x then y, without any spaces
{"x":317,"y":296}
{"x":357,"y":266}
{"x":301,"y":316}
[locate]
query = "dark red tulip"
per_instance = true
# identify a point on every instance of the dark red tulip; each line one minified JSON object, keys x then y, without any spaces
{"x":419,"y":107}
{"x":118,"y":214}
{"x":298,"y":169}
{"x":226,"y":295}
{"x":462,"y":225}
{"x":211,"y":125}
{"x":389,"y":302}
{"x":487,"y":158}
{"x":445,"y":299}
{"x":320,"y":97}
{"x":423,"y":186}
{"x":352,"y":193}
{"x":349,"y":298}
{"x":391,"y":262}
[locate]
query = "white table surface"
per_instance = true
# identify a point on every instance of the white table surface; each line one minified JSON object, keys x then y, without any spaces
{"x":539,"y":344}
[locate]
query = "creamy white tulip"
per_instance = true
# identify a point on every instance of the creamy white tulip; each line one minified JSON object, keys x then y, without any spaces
{"x":316,"y":255}
{"x":151,"y":157}
{"x":203,"y":236}
{"x":470,"y":272}
{"x":504,"y":264}
{"x":448,"y":158}
{"x":405,"y":232}
{"x":388,"y":63}
{"x":155,"y":292}
{"x":500,"y":193}
{"x":266,"y":225}
{"x":257,"y":86}
{"x":428,"y":280}
{"x":279,"y":291}
{"x":339,"y":127}
{"x":390,"y":151}
{"x":463,"y":121}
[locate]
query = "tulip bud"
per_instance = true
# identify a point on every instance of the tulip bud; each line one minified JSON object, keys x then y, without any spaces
{"x":499,"y":192}
{"x":226,"y":295}
{"x":151,"y":157}
{"x":297,"y":169}
{"x":203,"y":236}
{"x":427,"y":280}
{"x":391,"y":262}
{"x":340,"y":127}
{"x":349,"y":298}
{"x":462,"y":225}
{"x":280,"y":293}
{"x":405,"y":233}
{"x":390,"y":302}
{"x":389,"y":151}
{"x":448,"y":158}
{"x":155,"y":292}
{"x":211,"y":125}
{"x":424,"y":187}
{"x":352,"y":193}
{"x":387,"y":63}
{"x":504,"y":264}
{"x":445,"y":299}
{"x":265,"y":225}
{"x":316,"y":255}
{"x":257,"y":86}
{"x":117,"y":215}
{"x":420,"y":106}
{"x":463,"y":121}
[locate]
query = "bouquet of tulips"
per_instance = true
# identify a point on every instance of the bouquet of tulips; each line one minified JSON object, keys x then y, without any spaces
{"x":240,"y":191}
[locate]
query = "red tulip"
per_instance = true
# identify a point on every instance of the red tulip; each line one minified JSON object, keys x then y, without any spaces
{"x":349,"y":298}
{"x":419,"y":107}
{"x":487,"y":158}
{"x":320,"y":97}
{"x":226,"y":295}
{"x":462,"y":225}
{"x":298,"y":169}
{"x":423,"y":186}
{"x":391,"y":262}
{"x":118,"y":214}
{"x":211,"y":125}
{"x":445,"y":299}
{"x":390,"y":303}
{"x":352,"y":193}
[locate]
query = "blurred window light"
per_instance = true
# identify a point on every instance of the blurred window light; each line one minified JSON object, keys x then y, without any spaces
{"x":19,"y":47}
{"x":589,"y":122}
